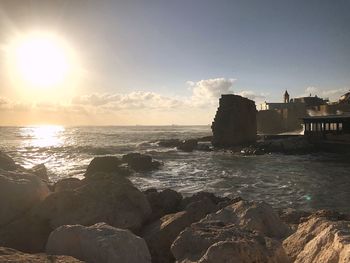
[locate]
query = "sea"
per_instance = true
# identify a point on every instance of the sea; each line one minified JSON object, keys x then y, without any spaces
{"x":307,"y":182}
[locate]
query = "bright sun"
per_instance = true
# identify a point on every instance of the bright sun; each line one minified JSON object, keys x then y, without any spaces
{"x":41,"y":60}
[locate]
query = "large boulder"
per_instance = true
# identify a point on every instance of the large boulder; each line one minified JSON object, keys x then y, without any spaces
{"x":29,"y":233}
{"x":9,"y":255}
{"x":319,"y":240}
{"x":99,"y":243}
{"x":19,"y":192}
{"x":102,"y":198}
{"x":160,"y":234}
{"x":6,"y":162}
{"x":252,"y":215}
{"x":163,"y":202}
{"x":40,"y":170}
{"x":140,"y":162}
{"x":215,"y":242}
{"x":106,"y":164}
{"x":67,"y":184}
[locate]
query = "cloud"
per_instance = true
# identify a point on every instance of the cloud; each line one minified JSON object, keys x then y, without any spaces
{"x":133,"y":100}
{"x":252,"y":95}
{"x":208,"y":91}
{"x":141,"y":107}
{"x":331,"y":94}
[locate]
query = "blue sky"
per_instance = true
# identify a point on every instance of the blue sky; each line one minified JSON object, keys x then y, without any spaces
{"x":159,"y":46}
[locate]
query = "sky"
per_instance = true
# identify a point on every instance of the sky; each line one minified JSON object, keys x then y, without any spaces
{"x":167,"y":62}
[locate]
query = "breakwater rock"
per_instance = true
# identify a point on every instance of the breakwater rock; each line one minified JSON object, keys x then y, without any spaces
{"x":105,"y":218}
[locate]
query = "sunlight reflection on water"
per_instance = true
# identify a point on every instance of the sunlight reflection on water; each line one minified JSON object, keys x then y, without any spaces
{"x":43,"y":136}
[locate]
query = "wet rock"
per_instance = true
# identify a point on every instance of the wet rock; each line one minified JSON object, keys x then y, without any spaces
{"x":7,"y":163}
{"x":40,"y":171}
{"x":107,"y":198}
{"x":293,"y":217}
{"x":19,"y":192}
{"x":140,"y":162}
{"x":234,"y":122}
{"x":188,"y":145}
{"x":253,"y":150}
{"x":9,"y":255}
{"x":288,"y":145}
{"x":213,"y":241}
{"x":164,"y":202}
{"x":204,"y":147}
{"x":205,"y":139}
{"x":160,"y":234}
{"x":319,"y":240}
{"x":67,"y":184}
{"x":203,"y":196}
{"x":254,"y":216}
{"x":169,"y":143}
{"x":105,"y":164}
{"x":99,"y":243}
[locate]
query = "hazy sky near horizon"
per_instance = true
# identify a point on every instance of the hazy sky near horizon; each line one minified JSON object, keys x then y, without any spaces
{"x":167,"y":62}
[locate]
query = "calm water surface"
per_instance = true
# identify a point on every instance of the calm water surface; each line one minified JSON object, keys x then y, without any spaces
{"x":302,"y":181}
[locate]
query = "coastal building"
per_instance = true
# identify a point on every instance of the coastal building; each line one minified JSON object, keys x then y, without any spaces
{"x":327,"y":125}
{"x":286,"y":116}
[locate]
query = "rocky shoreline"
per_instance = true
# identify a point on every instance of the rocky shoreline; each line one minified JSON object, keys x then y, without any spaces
{"x":105,"y":218}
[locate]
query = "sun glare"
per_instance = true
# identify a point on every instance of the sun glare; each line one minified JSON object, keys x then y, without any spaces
{"x":41,"y":60}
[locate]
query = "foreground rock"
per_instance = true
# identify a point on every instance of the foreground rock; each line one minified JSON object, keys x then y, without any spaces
{"x":253,"y":216}
{"x":214,"y":242}
{"x":160,"y":234}
{"x":7,"y":163}
{"x":319,"y":240}
{"x":140,"y":162}
{"x":246,"y":231}
{"x":40,"y":170}
{"x":102,"y":198}
{"x":19,"y":192}
{"x":99,"y":243}
{"x":67,"y":184}
{"x":29,"y":233}
{"x":8,"y":255}
{"x":163,"y":202}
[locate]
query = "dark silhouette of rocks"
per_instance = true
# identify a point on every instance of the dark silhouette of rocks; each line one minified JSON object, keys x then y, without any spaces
{"x":234,"y":122}
{"x":188,"y":145}
{"x":105,"y":164}
{"x":140,"y":162}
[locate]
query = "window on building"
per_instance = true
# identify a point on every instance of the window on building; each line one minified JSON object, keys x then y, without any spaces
{"x":327,"y":126}
{"x":340,"y":126}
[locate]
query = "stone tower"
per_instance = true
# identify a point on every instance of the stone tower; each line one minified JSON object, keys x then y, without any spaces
{"x":234,"y":122}
{"x":286,"y":97}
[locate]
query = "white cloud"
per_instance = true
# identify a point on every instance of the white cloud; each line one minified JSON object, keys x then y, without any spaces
{"x":252,"y":96}
{"x":134,"y":100}
{"x":208,"y":91}
{"x":331,"y":94}
{"x":142,"y":107}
